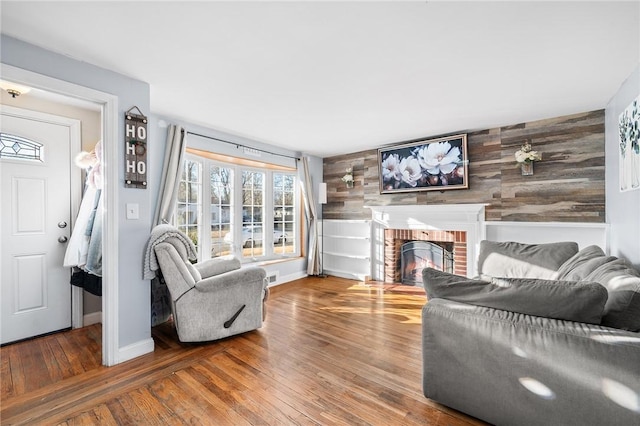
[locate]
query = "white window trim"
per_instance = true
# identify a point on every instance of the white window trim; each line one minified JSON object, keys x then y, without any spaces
{"x":204,"y":235}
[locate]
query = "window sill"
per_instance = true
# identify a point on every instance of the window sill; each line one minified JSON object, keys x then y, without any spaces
{"x":271,"y":261}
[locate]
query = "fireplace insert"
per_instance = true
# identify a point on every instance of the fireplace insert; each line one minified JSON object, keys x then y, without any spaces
{"x":417,"y":255}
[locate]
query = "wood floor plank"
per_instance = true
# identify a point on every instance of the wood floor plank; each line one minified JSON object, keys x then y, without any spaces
{"x":103,"y":416}
{"x":17,"y":372}
{"x":58,"y":353}
{"x":258,"y":387}
{"x":54,"y":371}
{"x":131,"y":413}
{"x":154,"y":411}
{"x":223,"y":414}
{"x":6,"y":384}
{"x":332,"y":351}
{"x":171,"y":395}
{"x":72,"y":352}
{"x":254,"y":384}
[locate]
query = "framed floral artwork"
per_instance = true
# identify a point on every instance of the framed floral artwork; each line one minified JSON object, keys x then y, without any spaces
{"x":629,"y":147}
{"x":424,"y":165}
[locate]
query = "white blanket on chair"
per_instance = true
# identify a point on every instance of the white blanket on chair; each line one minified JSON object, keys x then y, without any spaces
{"x":159,"y":234}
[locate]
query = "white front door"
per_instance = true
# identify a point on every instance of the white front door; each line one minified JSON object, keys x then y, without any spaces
{"x":35,"y":218}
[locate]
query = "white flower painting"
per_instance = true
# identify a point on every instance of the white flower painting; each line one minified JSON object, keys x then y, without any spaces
{"x":436,"y":164}
{"x":629,"y":138}
{"x":438,"y":158}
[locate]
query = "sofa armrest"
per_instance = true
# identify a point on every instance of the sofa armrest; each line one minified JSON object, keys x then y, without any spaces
{"x":174,"y":270}
{"x":217,"y":266}
{"x":499,"y":366}
{"x":232,"y":278}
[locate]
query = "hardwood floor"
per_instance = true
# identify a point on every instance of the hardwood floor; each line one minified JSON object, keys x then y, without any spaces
{"x":332,"y":351}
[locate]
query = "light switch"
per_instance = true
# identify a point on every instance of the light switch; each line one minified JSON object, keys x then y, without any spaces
{"x":133,"y":211}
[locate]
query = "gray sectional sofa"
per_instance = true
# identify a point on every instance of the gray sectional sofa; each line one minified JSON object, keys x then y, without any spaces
{"x":548,"y":335}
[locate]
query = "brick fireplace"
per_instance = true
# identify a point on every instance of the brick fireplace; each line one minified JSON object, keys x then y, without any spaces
{"x":461,"y":226}
{"x":395,"y":238}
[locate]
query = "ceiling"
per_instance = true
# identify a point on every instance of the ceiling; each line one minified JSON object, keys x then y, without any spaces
{"x":329,"y":78}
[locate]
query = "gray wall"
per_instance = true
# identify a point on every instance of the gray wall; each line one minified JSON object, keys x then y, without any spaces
{"x":623,"y":208}
{"x":134,"y":293}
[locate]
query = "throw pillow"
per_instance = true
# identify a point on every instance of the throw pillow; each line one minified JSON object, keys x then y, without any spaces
{"x":565,"y":300}
{"x":518,"y":260}
{"x":583,"y":263}
{"x":622,"y":282}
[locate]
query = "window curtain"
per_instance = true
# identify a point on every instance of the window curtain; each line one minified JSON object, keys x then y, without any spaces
{"x":313,"y":258}
{"x":173,"y":158}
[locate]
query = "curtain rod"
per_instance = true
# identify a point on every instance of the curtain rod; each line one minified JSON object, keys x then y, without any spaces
{"x":238,"y":145}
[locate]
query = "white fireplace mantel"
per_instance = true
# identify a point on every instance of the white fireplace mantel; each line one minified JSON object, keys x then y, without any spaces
{"x":427,"y":216}
{"x":449,"y":217}
{"x":471,"y":219}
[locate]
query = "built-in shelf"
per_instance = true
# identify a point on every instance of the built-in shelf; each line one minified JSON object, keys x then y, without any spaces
{"x":348,"y":237}
{"x":352,"y":256}
{"x":346,"y":248}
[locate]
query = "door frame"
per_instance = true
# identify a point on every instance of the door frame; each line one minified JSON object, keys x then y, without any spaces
{"x":75,"y":181}
{"x":109,"y":104}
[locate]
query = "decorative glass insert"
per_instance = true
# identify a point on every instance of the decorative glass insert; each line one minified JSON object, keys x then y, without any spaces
{"x":17,"y":147}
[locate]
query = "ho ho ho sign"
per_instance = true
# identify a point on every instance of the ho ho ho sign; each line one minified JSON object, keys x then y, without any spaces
{"x":135,"y":150}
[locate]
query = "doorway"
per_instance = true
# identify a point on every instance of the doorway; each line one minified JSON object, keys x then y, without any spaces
{"x":108,"y":105}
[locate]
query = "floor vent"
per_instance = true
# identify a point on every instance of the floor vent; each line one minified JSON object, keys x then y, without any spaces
{"x":272,"y":278}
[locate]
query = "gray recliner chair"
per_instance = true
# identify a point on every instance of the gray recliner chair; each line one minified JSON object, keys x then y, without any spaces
{"x":212,"y":299}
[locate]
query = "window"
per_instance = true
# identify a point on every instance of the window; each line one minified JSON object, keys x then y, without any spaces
{"x":253,"y":211}
{"x":18,"y":148}
{"x":252,"y":217}
{"x":188,"y":202}
{"x":221,"y":181}
{"x":284,"y":230}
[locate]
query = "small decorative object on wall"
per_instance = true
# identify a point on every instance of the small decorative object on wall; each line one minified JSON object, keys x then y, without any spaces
{"x":525,"y":157}
{"x":629,"y":136}
{"x":424,"y":165}
{"x":135,"y":149}
{"x":348,"y":177}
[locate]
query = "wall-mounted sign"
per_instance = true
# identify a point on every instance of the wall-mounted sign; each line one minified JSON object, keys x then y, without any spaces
{"x":135,"y":149}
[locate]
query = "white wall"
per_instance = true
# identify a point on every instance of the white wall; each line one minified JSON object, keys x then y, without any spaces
{"x":622,"y":208}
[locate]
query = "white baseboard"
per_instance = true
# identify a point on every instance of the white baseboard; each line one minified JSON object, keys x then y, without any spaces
{"x":291,"y":277}
{"x":135,"y":350}
{"x":92,"y":318}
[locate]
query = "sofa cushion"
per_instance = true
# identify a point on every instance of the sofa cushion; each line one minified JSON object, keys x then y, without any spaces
{"x":565,"y":300}
{"x":583,"y":263}
{"x":622,"y":282}
{"x":518,"y":260}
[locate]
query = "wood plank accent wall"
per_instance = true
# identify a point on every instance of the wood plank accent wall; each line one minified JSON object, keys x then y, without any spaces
{"x":568,"y":185}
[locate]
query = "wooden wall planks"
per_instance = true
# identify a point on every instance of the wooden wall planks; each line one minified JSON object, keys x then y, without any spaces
{"x":567,"y":186}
